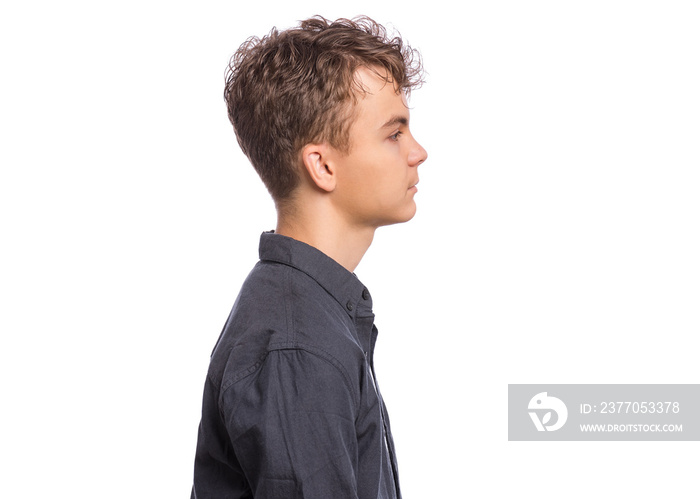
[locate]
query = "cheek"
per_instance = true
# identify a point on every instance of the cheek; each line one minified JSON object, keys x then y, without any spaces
{"x":366,"y":171}
{"x":375,"y":175}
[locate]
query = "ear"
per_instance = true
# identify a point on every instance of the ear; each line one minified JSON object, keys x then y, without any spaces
{"x":317,"y":161}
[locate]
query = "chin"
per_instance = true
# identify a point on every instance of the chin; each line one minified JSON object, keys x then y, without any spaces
{"x":409,"y":216}
{"x":402,"y":217}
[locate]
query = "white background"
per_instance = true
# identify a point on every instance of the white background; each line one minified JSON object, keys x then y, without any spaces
{"x":556,"y":240}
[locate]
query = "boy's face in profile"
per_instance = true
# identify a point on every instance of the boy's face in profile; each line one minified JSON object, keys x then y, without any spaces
{"x":377,"y":178}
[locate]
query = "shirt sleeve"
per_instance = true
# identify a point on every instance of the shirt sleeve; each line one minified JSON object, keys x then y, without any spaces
{"x":292,"y":428}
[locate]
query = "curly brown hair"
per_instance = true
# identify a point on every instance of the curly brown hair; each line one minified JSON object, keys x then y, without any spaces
{"x":298,"y":86}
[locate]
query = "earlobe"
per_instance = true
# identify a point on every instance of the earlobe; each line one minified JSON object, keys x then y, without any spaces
{"x":316,"y":160}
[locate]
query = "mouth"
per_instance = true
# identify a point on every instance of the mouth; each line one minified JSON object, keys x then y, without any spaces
{"x":413,"y":187}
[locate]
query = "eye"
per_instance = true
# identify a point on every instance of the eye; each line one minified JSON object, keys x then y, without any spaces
{"x":396,"y":135}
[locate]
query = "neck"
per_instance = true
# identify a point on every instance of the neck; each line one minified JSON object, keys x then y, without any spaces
{"x":318,"y":225}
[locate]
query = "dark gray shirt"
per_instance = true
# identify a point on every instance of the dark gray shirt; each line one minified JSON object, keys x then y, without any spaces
{"x":291,"y":407}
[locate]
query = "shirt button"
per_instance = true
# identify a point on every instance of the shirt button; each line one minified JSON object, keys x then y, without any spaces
{"x":350,"y":306}
{"x":365,"y":294}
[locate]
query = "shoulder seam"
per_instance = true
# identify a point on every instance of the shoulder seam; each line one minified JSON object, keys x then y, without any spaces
{"x":293,"y":345}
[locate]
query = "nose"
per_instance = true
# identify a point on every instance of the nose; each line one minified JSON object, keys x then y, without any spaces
{"x":417,"y":155}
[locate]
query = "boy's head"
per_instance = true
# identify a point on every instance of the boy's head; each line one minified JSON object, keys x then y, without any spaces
{"x":300,"y":86}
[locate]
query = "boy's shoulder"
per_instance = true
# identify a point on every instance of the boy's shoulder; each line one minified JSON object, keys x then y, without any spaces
{"x":296,"y":304}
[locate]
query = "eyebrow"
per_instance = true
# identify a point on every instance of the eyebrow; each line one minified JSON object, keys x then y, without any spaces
{"x":396,"y":120}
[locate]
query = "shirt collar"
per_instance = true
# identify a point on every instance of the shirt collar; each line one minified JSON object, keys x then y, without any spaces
{"x":340,"y":283}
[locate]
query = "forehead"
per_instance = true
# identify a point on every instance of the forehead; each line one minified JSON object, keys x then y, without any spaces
{"x":378,"y":98}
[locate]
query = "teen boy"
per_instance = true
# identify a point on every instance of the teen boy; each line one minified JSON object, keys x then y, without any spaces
{"x":291,"y":406}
